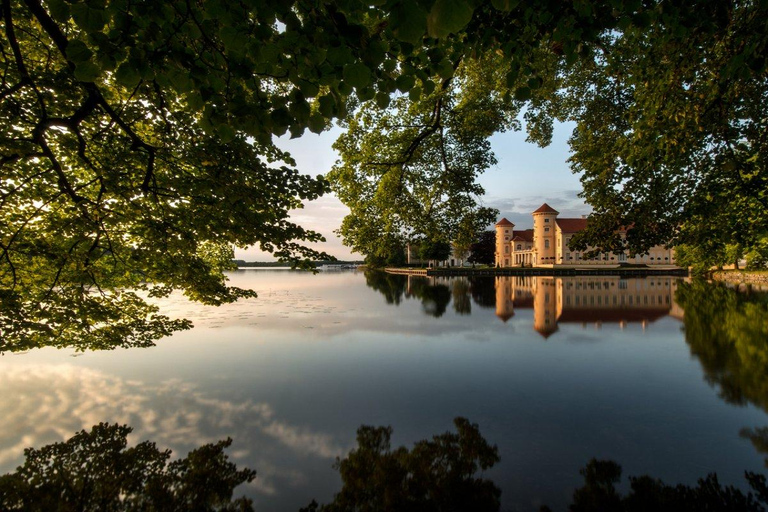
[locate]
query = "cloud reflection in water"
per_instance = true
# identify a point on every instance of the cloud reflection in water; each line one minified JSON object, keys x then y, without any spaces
{"x":47,"y":403}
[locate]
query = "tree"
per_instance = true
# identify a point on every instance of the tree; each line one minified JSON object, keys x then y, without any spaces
{"x":434,"y":250}
{"x":136,"y":142}
{"x":136,"y":139}
{"x":483,"y":250}
{"x":409,"y":165}
{"x":96,"y":471}
{"x":671,"y":127}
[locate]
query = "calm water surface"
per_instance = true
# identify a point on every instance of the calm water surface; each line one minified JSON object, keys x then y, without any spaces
{"x":664,"y":377}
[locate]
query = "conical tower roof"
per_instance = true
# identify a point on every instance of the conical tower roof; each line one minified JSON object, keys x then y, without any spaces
{"x":545,"y":208}
{"x":504,"y":222}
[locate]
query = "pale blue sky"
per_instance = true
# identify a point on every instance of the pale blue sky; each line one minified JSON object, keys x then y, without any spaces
{"x":525,"y":177}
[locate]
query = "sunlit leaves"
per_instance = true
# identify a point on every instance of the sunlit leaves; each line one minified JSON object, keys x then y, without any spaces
{"x":409,"y":166}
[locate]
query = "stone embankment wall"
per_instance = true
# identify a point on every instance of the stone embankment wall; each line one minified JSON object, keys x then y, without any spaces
{"x":741,"y":277}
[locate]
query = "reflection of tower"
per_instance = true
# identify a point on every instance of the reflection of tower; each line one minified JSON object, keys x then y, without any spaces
{"x":503,"y":235}
{"x":676,"y":310}
{"x":544,"y":234}
{"x":504,"y":299}
{"x":545,"y":306}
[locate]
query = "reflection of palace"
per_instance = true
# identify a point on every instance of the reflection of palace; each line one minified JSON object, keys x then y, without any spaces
{"x":547,"y":244}
{"x":586,"y":300}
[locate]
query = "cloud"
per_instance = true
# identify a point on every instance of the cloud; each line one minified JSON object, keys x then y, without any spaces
{"x":47,"y":403}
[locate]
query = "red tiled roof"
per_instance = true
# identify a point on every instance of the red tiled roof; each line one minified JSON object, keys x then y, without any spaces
{"x":571,"y":225}
{"x":504,"y":222}
{"x":545,"y":208}
{"x":525,"y":235}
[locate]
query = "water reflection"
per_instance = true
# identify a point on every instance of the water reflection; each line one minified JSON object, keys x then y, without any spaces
{"x":552,"y":300}
{"x":727,"y":331}
{"x":49,"y":402}
{"x":96,"y":470}
{"x":291,"y":375}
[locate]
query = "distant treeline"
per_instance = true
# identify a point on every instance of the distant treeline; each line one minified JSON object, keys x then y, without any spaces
{"x":318,"y":263}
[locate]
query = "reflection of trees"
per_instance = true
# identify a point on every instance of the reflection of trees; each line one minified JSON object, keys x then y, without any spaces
{"x":392,"y":286}
{"x":95,"y":471}
{"x":434,"y":297}
{"x":647,"y":493}
{"x":483,"y":291}
{"x":728,"y":332}
{"x":435,"y":475}
{"x":462,"y":304}
{"x":439,"y":475}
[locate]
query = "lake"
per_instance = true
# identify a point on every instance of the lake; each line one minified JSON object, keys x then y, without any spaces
{"x":663,"y":376}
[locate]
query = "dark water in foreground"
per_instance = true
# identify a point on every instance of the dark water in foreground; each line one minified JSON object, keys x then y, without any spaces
{"x":666,"y":378}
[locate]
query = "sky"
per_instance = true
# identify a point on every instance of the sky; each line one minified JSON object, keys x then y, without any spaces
{"x":524,"y":177}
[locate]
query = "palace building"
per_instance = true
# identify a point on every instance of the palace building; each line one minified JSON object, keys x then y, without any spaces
{"x":546,"y":245}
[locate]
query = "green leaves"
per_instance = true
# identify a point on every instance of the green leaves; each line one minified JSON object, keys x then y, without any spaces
{"x":127,"y":75}
{"x":87,"y":18}
{"x":78,"y":51}
{"x":448,"y":16}
{"x":357,"y":75}
{"x":408,"y":21}
{"x":171,"y":109}
{"x":505,"y":5}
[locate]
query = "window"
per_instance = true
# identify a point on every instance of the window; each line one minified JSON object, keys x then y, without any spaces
{"x":506,"y":249}
{"x":519,"y":247}
{"x":546,"y":244}
{"x":546,"y":220}
{"x":546,"y":230}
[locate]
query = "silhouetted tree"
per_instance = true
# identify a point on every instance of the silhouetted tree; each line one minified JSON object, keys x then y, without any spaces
{"x":649,"y":494}
{"x":437,"y":475}
{"x":95,"y":471}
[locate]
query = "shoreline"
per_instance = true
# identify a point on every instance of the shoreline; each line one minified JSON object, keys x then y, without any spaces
{"x":759,"y":277}
{"x":541,"y":271}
